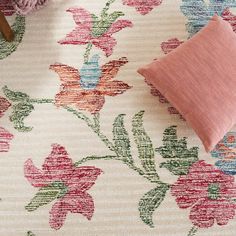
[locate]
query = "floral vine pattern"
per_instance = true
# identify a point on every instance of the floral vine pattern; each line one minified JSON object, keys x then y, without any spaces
{"x":60,"y":180}
{"x":66,"y":182}
{"x":209,"y":192}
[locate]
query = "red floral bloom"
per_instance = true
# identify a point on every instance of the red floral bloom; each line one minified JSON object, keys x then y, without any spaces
{"x":5,"y":136}
{"x":230,"y":17}
{"x":74,"y":89}
{"x":86,"y":32}
{"x":209,"y":192}
{"x":6,"y":7}
{"x":143,"y":6}
{"x":77,"y":180}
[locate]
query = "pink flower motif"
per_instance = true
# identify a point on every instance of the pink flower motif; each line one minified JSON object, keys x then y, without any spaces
{"x":4,"y":105}
{"x":5,"y":136}
{"x":170,"y":45}
{"x":209,"y":193}
{"x":86,"y":32}
{"x":77,"y":180}
{"x":76,"y":90}
{"x":6,"y":7}
{"x":24,"y":7}
{"x":143,"y":6}
{"x":230,"y":17}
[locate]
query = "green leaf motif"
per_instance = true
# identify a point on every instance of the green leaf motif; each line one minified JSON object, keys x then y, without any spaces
{"x":46,"y":195}
{"x":193,"y":231}
{"x":150,"y":202}
{"x":145,"y":147}
{"x":15,"y":96}
{"x":30,"y":233}
{"x":114,"y":16}
{"x":20,"y":112}
{"x":121,"y":138}
{"x":7,"y":48}
{"x":101,"y":26}
{"x":179,"y":157}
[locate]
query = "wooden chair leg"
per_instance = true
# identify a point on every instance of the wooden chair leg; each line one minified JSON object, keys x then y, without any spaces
{"x":5,"y":28}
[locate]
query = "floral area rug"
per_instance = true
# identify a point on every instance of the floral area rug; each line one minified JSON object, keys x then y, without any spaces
{"x":87,"y":147}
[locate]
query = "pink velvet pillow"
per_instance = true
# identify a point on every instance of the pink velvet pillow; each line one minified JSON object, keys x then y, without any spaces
{"x":199,"y":80}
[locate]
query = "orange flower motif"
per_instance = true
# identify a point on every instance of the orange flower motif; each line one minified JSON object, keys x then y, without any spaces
{"x":86,"y":88}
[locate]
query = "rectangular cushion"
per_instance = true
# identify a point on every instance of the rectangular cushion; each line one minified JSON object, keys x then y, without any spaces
{"x":199,"y":80}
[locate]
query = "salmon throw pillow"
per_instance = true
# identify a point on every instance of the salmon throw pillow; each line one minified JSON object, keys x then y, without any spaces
{"x":199,"y":80}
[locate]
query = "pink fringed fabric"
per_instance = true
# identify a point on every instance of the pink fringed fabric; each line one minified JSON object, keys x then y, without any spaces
{"x":24,"y":7}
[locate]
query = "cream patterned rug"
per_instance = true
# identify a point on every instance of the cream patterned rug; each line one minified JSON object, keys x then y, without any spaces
{"x":87,"y":147}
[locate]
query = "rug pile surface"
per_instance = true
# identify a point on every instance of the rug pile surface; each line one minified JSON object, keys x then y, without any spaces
{"x":87,"y":147}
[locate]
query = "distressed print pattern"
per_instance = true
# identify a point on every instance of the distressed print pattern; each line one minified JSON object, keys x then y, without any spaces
{"x":84,"y":149}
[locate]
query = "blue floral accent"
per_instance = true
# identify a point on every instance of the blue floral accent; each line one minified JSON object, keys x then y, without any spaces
{"x":228,"y":167}
{"x":225,"y":150}
{"x":90,"y":73}
{"x":199,"y":12}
